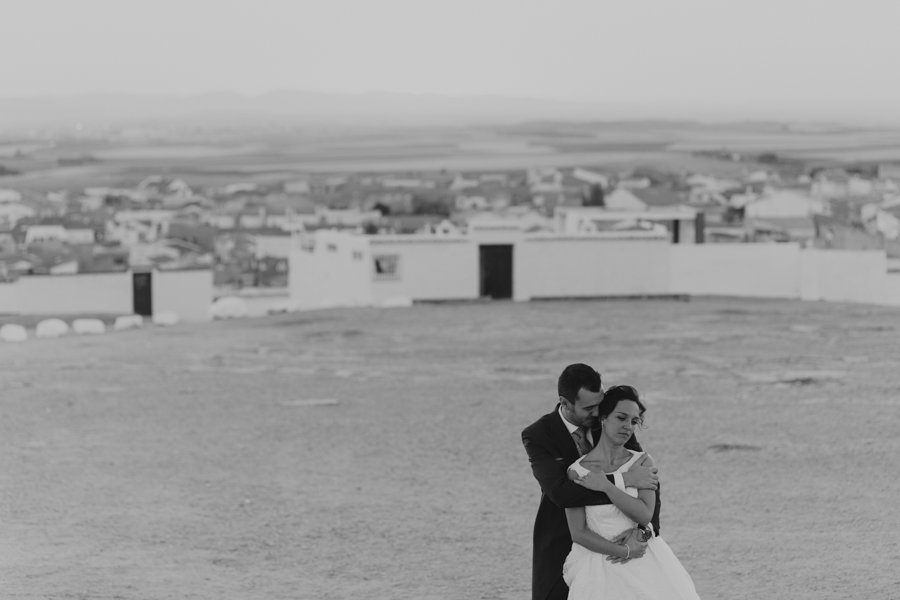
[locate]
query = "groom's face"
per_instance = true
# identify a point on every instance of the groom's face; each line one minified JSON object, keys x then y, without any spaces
{"x":585,"y":410}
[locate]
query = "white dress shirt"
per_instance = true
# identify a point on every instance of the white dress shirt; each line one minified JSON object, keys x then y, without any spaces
{"x":572,"y":428}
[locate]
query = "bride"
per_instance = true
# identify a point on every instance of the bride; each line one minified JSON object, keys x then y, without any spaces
{"x":598,"y":568}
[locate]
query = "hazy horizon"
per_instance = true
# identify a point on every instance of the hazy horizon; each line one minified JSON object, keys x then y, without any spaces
{"x":130,"y":108}
{"x":766,"y":60}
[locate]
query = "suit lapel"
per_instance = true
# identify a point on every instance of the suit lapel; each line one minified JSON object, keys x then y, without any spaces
{"x":564,"y":438}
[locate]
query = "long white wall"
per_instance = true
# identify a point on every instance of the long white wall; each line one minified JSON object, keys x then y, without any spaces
{"x":754,"y":270}
{"x":430,"y":268}
{"x":844,"y":276}
{"x":892,"y":289}
{"x":581,"y":266}
{"x":340,"y":272}
{"x":188,"y":293}
{"x":108,"y":293}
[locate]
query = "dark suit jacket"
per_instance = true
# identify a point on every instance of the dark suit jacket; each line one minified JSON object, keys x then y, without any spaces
{"x":551,"y":450}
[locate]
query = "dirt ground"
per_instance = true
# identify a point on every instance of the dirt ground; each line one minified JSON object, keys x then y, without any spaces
{"x":376,"y":454}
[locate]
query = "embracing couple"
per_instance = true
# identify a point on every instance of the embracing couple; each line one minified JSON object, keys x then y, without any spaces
{"x":596,"y":535}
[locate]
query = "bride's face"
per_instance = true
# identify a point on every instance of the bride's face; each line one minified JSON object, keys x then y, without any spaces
{"x":619,"y":425}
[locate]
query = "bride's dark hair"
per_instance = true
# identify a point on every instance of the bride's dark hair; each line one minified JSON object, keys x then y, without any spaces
{"x":616,"y":394}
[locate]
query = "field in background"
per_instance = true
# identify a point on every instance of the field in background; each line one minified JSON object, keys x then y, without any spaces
{"x":219,"y":156}
{"x":376,"y":453}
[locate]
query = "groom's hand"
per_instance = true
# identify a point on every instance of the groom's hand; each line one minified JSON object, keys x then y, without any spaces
{"x":641,"y":477}
{"x":636,"y":548}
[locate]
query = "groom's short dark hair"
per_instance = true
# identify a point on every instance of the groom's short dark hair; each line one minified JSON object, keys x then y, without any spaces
{"x":577,"y":376}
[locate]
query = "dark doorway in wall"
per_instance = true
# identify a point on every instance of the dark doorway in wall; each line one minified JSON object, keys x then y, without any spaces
{"x":142,"y":285}
{"x":496,"y":262}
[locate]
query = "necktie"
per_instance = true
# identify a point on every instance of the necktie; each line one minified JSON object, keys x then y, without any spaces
{"x":584,"y":446}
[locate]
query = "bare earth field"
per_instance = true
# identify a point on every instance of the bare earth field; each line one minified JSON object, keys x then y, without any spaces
{"x":271,"y":156}
{"x":376,"y":453}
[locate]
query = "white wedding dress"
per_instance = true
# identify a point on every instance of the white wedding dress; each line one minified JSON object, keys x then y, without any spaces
{"x":657,"y":575}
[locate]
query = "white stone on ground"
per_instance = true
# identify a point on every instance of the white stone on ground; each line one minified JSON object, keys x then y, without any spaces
{"x":166,"y":318}
{"x":280,"y":307}
{"x":312,"y":402}
{"x":51,"y":328}
{"x":13,"y":333}
{"x":128,"y":322}
{"x":88,"y":326}
{"x":229,"y":307}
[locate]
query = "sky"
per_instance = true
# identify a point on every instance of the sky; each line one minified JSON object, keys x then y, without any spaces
{"x":791,"y":57}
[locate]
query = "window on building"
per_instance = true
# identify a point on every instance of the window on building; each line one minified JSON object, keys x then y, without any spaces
{"x":387,"y":266}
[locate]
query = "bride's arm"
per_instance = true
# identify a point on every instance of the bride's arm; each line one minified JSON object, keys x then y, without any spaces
{"x":639,"y":510}
{"x":591,"y":540}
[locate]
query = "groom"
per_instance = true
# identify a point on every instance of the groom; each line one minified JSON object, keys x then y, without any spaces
{"x":554,"y":442}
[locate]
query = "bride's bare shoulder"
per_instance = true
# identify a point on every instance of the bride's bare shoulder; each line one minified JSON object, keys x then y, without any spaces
{"x":645,"y":460}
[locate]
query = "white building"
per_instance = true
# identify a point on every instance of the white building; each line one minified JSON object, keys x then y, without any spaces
{"x":783,"y":203}
{"x":218,"y":219}
{"x":297,"y":187}
{"x":187,"y":293}
{"x":129,"y":226}
{"x":545,"y":178}
{"x":680,"y":221}
{"x":529,"y":221}
{"x":762,"y":176}
{"x":623,"y":199}
{"x":13,"y":212}
{"x":156,"y":217}
{"x":495,"y":259}
{"x":69,"y":267}
{"x":351,"y":217}
{"x":179,"y":188}
{"x":7,"y":195}
{"x":593,"y":178}
{"x":635,"y":183}
{"x":712,"y":184}
{"x":45,"y":233}
{"x":464,"y":202}
{"x":237,"y":188}
{"x":857,"y":186}
{"x":500,"y":178}
{"x":81,"y":235}
{"x":880,"y":222}
{"x":502,"y":262}
{"x":406,"y":184}
{"x":270,"y":244}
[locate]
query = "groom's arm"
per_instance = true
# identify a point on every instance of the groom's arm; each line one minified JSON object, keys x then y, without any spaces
{"x":550,"y":472}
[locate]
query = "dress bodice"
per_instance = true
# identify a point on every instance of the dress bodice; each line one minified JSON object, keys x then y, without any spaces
{"x":607,"y":520}
{"x":657,"y":574}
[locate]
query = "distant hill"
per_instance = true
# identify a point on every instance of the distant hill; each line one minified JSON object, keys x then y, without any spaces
{"x":224,"y":107}
{"x":375,"y":108}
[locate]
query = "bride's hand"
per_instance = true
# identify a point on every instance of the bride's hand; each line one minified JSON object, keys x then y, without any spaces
{"x":636,"y":547}
{"x":594,"y":481}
